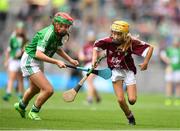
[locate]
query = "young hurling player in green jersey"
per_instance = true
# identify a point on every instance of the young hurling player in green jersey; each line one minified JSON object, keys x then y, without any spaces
{"x":44,"y":45}
{"x":171,"y":56}
{"x":12,"y":60}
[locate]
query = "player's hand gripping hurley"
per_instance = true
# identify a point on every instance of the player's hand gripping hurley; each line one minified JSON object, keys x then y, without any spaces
{"x":70,"y":95}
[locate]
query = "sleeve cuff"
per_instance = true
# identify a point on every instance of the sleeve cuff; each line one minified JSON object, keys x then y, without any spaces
{"x":145,"y":52}
{"x":40,"y":48}
{"x":98,"y":49}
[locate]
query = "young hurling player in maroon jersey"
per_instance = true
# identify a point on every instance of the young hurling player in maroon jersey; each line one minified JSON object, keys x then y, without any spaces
{"x":119,"y":48}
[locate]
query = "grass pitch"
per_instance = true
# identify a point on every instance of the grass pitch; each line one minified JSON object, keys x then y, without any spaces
{"x":149,"y":111}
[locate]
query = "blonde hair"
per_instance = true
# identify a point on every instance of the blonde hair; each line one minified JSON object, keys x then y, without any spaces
{"x":127,"y":44}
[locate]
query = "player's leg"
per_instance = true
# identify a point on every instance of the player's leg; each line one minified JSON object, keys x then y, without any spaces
{"x":13,"y":68}
{"x":130,"y":82}
{"x":28,"y":95}
{"x":46,"y":90}
{"x":118,"y":77}
{"x":169,"y":86}
{"x":177,"y":94}
{"x":11,"y":79}
{"x":132,"y":93}
{"x":132,"y":97}
{"x":118,"y":89}
{"x":177,"y":88}
{"x":89,"y":90}
{"x":169,"y":93}
{"x":30,"y":92}
{"x":20,"y":85}
{"x":92,"y":92}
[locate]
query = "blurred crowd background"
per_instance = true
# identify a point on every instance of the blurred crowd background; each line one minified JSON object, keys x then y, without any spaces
{"x":154,"y":21}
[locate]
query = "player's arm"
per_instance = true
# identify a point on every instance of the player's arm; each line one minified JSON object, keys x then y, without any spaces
{"x":41,"y":56}
{"x":7,"y":52}
{"x":98,"y":47}
{"x":40,"y":49}
{"x":144,"y":65}
{"x":94,"y":57}
{"x":64,"y":55}
{"x":7,"y":55}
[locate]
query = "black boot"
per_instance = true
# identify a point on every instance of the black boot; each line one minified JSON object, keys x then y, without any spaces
{"x":131,"y":120}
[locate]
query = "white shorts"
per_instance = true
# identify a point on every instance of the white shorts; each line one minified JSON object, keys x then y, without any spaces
{"x":168,"y":77}
{"x":174,"y":76}
{"x":121,"y":74}
{"x":14,"y":65}
{"x":168,"y":74}
{"x":30,"y":65}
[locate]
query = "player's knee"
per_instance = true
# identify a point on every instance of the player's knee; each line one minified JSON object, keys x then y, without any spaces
{"x":49,"y":91}
{"x":121,"y":101}
{"x":132,"y":101}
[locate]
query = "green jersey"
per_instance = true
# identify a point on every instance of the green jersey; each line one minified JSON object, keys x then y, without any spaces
{"x":15,"y":46}
{"x":174,"y":55}
{"x":46,"y":41}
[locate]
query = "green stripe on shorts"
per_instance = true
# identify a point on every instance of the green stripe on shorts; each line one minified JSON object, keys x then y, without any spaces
{"x":29,"y":69}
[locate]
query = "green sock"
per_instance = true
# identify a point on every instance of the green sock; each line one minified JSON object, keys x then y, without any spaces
{"x":35,"y":109}
{"x":22,"y":105}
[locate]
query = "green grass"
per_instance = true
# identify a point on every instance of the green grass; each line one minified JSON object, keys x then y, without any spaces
{"x":149,"y":111}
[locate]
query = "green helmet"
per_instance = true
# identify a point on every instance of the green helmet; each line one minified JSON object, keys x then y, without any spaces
{"x":63,"y":18}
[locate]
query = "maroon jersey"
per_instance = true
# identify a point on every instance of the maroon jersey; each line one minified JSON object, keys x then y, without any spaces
{"x":87,"y":51}
{"x":119,"y":59}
